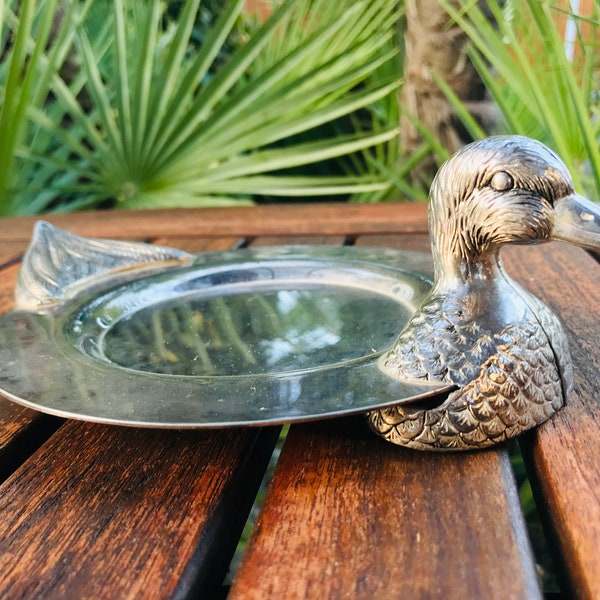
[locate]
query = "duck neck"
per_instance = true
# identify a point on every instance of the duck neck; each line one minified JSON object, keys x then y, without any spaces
{"x":480,"y":292}
{"x":462,"y":256}
{"x":478,"y":273}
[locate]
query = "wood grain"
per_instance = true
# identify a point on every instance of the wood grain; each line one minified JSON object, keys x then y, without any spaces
{"x":8,"y":278}
{"x":127,"y":513}
{"x":415,"y":242}
{"x":350,"y":516}
{"x":198,"y":244}
{"x":141,"y":513}
{"x":301,"y":240}
{"x":565,"y":451}
{"x":11,"y":252}
{"x":23,"y":430}
{"x":94,"y":511}
{"x":289,"y":220}
{"x":355,"y":517}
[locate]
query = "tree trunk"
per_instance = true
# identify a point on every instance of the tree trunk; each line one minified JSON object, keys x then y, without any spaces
{"x":433,"y":46}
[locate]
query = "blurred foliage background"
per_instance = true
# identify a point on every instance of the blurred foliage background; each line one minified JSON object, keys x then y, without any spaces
{"x":173,"y":103}
{"x":155,"y":103}
{"x":143,"y":103}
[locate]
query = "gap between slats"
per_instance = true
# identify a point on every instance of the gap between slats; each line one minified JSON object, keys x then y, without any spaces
{"x":209,"y":557}
{"x":564,"y":454}
{"x":259,"y":570}
{"x":219,"y":244}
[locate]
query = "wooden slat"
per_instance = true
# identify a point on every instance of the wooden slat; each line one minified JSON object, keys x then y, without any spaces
{"x":8,"y":278}
{"x":351,"y":516}
{"x":304,"y":240}
{"x":416,"y":242}
{"x":291,"y":219}
{"x":11,"y":251}
{"x":566,"y":450}
{"x":355,"y":517}
{"x":109,"y":512}
{"x":21,"y":430}
{"x":138,"y":513}
{"x":198,"y":244}
{"x":14,"y":420}
{"x":124,"y":513}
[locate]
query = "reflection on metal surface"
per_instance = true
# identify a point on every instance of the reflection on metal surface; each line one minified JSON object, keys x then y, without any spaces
{"x":264,"y":331}
{"x":236,"y":338}
{"x":132,"y":334}
{"x":478,"y":329}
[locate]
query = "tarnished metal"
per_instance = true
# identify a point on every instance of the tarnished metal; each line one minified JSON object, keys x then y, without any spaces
{"x":133,"y":334}
{"x":503,"y":349}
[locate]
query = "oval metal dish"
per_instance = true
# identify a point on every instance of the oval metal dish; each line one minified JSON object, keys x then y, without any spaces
{"x":247,"y":337}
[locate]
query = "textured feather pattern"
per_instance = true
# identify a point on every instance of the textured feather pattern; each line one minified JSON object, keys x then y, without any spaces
{"x":505,"y":351}
{"x":57,"y":261}
{"x":509,"y":381}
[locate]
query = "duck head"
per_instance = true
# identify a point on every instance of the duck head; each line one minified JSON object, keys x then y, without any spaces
{"x":503,"y":190}
{"x":504,"y":351}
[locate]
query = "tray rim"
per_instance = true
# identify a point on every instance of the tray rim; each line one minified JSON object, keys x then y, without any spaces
{"x":386,"y":259}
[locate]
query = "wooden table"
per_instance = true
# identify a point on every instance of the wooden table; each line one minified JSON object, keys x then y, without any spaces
{"x":94,"y":511}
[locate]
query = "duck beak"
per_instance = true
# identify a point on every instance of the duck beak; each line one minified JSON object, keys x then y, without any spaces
{"x":577,"y":220}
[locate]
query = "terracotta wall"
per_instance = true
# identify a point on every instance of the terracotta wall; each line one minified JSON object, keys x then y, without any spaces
{"x":585,"y":8}
{"x":260,"y":8}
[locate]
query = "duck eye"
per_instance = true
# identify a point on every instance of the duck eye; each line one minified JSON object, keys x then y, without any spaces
{"x":501,"y":182}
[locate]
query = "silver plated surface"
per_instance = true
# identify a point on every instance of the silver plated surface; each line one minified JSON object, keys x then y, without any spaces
{"x":247,"y":337}
{"x":464,"y":359}
{"x":503,"y":349}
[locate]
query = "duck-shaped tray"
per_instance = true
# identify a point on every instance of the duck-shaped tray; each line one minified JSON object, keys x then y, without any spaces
{"x":134,"y":334}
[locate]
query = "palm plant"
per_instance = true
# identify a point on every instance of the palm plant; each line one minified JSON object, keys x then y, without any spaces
{"x":26,"y":71}
{"x":146,"y":121}
{"x":539,"y":90}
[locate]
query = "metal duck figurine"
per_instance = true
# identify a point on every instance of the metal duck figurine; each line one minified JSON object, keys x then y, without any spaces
{"x":503,"y":349}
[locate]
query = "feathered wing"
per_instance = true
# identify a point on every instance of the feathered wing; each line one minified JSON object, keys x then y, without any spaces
{"x":557,"y":339}
{"x":508,"y":382}
{"x":57,"y":260}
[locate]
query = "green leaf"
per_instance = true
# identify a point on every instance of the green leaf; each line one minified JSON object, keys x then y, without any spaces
{"x":152,"y":118}
{"x":539,"y":91}
{"x":171,"y":95}
{"x":22,"y":73}
{"x":216,"y":90}
{"x":471,"y":125}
